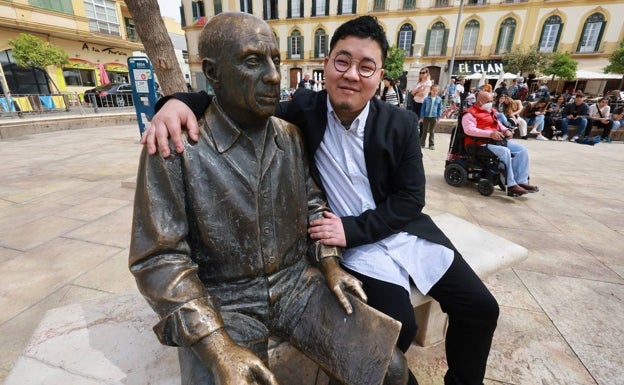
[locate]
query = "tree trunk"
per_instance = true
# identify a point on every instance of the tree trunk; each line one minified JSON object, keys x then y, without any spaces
{"x":158,"y":46}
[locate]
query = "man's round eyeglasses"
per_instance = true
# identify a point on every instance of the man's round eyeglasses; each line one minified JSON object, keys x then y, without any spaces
{"x":365,"y":67}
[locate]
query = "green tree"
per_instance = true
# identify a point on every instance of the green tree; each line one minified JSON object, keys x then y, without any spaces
{"x":31,"y":52}
{"x":525,"y":62}
{"x":616,"y":63}
{"x":562,"y":66}
{"x":394,"y":62}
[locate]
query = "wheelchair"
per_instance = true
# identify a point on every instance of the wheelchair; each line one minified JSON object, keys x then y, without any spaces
{"x":473,"y":163}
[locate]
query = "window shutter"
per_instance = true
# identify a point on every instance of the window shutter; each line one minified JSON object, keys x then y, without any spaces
{"x":316,"y":45}
{"x":326,"y":50}
{"x":301,"y":45}
{"x":602,"y":29}
{"x":339,"y":7}
{"x":354,"y":7}
{"x":445,"y":41}
{"x":426,"y":51}
{"x":289,"y":43}
{"x":558,"y":36}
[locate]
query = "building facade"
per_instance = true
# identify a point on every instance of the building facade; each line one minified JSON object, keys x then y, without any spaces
{"x":98,"y":35}
{"x":473,"y":35}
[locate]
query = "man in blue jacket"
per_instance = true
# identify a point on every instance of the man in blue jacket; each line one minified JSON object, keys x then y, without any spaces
{"x":366,"y":156}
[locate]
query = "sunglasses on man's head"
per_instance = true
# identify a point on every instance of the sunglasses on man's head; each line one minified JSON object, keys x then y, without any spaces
{"x":423,"y":73}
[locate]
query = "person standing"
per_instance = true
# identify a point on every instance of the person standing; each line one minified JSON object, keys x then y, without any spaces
{"x":420,"y":91}
{"x":367,"y":157}
{"x":430,"y":115}
{"x":306,"y":82}
{"x":391,"y":93}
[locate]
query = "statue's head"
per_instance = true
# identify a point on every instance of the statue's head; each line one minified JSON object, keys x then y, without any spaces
{"x":240,"y":59}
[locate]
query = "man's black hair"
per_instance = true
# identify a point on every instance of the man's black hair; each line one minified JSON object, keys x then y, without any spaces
{"x":362,"y":27}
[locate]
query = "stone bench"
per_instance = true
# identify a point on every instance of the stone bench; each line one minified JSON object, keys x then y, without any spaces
{"x":484,"y":251}
{"x":110,"y":340}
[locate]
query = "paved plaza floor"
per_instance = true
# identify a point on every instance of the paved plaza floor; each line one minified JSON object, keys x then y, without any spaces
{"x":66,"y":210}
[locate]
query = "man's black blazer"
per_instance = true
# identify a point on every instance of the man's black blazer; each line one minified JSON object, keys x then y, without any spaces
{"x":393,"y":162}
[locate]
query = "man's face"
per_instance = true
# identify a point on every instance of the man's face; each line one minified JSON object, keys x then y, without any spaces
{"x":349,"y":91}
{"x":484,"y":97}
{"x":578,"y":100}
{"x":249,"y":75}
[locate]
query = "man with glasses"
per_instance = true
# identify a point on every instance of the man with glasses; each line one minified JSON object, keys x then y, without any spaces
{"x":366,"y":155}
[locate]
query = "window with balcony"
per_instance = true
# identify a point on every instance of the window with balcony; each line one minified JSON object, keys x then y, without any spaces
{"x":270,"y":9}
{"x":295,"y":8}
{"x":409,"y":4}
{"x":320,"y":7}
{"x":405,"y":40}
{"x":506,"y":36}
{"x":63,"y":6}
{"x":198,"y":10}
{"x":295,"y":45}
{"x":320,"y":43}
{"x":102,"y":15}
{"x":131,"y":33}
{"x":442,"y":3}
{"x":347,"y":7}
{"x":379,"y":5}
{"x":592,"y":33}
{"x":476,"y":2}
{"x":436,"y":41}
{"x":551,"y":31}
{"x":469,"y":40}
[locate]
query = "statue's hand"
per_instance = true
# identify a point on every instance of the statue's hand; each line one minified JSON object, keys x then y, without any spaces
{"x":169,"y":121}
{"x":231,"y":363}
{"x":339,"y":281}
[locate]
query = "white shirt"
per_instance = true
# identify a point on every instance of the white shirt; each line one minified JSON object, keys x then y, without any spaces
{"x":340,"y":160}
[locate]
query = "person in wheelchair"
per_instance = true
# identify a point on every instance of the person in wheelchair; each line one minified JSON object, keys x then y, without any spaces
{"x":482,"y":128}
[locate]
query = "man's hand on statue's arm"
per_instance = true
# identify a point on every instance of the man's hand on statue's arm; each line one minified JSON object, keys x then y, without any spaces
{"x":169,"y":121}
{"x":339,"y":282}
{"x":231,"y":363}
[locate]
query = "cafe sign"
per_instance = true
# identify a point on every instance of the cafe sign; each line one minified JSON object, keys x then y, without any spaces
{"x":466,"y":67}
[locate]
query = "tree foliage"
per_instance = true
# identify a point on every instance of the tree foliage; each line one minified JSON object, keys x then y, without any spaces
{"x":157,"y":44}
{"x":524,"y":61}
{"x":616,"y":61}
{"x":394,"y":62}
{"x":562,"y":66}
{"x":30,"y":51}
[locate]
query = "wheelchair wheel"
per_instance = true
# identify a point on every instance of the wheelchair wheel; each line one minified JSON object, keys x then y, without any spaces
{"x":485,"y":187}
{"x":455,"y":175}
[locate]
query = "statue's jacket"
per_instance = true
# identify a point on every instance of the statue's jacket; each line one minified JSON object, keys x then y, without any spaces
{"x":215,"y":217}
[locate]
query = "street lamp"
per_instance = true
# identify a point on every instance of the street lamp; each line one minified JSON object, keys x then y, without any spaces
{"x":461,"y":7}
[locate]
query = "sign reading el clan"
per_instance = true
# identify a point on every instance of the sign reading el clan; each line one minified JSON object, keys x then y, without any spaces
{"x":490,"y":67}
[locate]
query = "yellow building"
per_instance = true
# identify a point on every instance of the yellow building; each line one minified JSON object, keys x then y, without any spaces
{"x":98,"y":35}
{"x":427,"y":30}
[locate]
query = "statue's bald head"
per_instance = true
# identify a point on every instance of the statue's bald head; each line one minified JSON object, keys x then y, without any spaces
{"x":227,"y":27}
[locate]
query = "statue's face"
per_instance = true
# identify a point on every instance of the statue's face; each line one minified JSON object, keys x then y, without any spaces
{"x":249,"y":73}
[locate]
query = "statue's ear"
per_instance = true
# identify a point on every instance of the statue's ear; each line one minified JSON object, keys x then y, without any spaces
{"x":210,"y":70}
